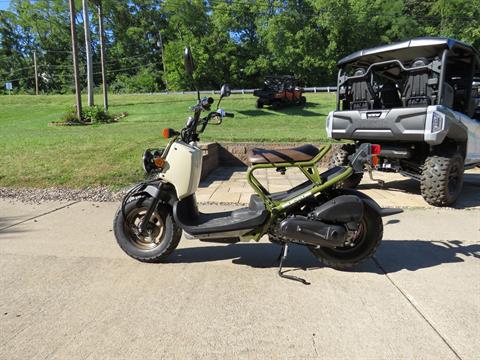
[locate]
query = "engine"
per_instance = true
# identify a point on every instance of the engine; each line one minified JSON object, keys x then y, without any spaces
{"x":330,"y":224}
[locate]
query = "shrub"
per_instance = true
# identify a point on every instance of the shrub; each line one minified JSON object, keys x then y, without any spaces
{"x":90,"y":115}
{"x":70,"y":117}
{"x":95,"y":114}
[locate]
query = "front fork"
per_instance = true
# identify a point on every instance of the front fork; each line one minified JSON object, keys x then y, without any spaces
{"x":156,"y":200}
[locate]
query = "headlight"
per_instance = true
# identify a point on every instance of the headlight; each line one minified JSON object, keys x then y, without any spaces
{"x":329,"y":124}
{"x":437,"y":122}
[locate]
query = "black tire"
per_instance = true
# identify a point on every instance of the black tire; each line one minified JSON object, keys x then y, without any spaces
{"x":134,"y":245}
{"x":442,"y":179}
{"x":340,"y":158}
{"x":276,"y":105}
{"x":259,"y":104}
{"x":367,"y":241}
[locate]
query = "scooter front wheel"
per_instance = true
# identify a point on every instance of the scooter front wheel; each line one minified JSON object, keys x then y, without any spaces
{"x":361,"y":247}
{"x":160,"y":237}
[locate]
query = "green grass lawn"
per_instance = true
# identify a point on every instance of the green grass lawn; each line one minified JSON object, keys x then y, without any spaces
{"x":33,"y":154}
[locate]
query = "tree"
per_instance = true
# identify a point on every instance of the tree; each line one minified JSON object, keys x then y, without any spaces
{"x":235,"y":41}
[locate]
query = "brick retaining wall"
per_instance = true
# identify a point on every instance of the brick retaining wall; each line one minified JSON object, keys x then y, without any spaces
{"x":235,"y":154}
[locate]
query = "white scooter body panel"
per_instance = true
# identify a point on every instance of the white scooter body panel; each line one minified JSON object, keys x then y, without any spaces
{"x":183,"y":168}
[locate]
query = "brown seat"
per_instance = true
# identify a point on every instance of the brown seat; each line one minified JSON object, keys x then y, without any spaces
{"x":265,"y":156}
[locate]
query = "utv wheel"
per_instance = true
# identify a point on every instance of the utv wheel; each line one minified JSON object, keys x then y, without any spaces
{"x":163,"y":235}
{"x":442,"y":179}
{"x":259,"y":104}
{"x":276,"y":105}
{"x":363,"y":245}
{"x":340,"y":158}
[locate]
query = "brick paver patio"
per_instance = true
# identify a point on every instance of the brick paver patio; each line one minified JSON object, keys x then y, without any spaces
{"x":229,"y":185}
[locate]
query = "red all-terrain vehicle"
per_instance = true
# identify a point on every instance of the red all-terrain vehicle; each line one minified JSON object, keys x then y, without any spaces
{"x":279,"y":91}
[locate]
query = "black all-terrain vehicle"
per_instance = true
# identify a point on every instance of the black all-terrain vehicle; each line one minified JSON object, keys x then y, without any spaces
{"x":419,"y":101}
{"x":279,"y":91}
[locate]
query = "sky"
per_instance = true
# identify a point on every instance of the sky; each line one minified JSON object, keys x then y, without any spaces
{"x":4,"y":4}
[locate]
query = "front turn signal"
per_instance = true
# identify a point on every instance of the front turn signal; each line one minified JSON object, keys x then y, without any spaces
{"x":169,"y":133}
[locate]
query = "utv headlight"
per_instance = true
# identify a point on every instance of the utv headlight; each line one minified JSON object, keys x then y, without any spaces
{"x":329,"y":124}
{"x":437,"y":122}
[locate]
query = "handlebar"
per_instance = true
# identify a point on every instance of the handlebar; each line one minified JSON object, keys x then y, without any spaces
{"x":196,"y":125}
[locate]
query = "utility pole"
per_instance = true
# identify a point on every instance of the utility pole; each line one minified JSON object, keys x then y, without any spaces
{"x":36,"y":71}
{"x":160,"y":44}
{"x":78,"y":94}
{"x":86,"y":26}
{"x":102,"y":55}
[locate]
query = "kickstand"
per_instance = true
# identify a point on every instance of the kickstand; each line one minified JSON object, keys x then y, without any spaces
{"x":282,"y":257}
{"x":379,"y":181}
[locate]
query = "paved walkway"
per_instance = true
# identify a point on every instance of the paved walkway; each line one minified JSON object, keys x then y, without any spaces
{"x":229,"y":185}
{"x":69,"y":292}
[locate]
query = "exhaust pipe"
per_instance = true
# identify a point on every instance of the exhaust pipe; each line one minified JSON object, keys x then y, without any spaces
{"x":312,"y":232}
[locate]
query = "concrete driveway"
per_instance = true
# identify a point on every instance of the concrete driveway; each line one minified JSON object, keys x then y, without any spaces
{"x":68,"y":292}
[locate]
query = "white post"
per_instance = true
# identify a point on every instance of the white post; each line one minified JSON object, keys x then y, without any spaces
{"x":86,"y":26}
{"x":102,"y":55}
{"x":36,"y":71}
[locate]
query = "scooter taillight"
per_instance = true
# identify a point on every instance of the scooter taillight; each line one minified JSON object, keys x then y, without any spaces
{"x":375,"y":149}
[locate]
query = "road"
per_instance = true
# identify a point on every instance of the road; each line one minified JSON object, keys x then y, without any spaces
{"x":68,"y":292}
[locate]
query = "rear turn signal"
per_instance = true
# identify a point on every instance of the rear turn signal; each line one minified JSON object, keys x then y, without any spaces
{"x":376,"y":149}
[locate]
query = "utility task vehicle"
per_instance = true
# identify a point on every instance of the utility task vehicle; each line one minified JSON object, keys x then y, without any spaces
{"x":341,"y":227}
{"x":279,"y":91}
{"x":419,"y":100}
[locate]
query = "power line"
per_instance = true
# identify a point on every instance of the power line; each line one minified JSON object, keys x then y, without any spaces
{"x":83,"y":74}
{"x":129,"y":68}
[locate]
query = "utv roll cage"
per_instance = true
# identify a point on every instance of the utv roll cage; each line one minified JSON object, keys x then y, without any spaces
{"x":280,"y":83}
{"x":414,"y":73}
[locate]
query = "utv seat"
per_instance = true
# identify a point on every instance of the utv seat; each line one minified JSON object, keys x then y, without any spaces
{"x":361,"y":94}
{"x":297,"y":154}
{"x":417,"y":92}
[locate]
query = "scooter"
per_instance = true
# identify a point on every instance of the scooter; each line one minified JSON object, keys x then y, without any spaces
{"x":341,"y":227}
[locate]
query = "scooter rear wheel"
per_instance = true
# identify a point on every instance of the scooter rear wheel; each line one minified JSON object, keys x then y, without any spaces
{"x":364,"y":244}
{"x":162,"y":234}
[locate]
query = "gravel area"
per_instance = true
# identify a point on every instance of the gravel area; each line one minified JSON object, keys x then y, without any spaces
{"x":97,"y":194}
{"x":31,"y":195}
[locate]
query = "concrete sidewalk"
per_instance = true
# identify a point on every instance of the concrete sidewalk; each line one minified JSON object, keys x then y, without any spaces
{"x":69,"y":292}
{"x":229,"y":185}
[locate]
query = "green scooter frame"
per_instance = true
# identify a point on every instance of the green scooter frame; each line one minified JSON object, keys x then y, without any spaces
{"x":309,"y":169}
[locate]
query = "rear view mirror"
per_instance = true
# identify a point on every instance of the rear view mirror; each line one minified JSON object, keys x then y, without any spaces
{"x":225,"y":90}
{"x":188,"y":61}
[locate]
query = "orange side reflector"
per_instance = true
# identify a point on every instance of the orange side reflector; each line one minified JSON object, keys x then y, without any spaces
{"x":159,"y":162}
